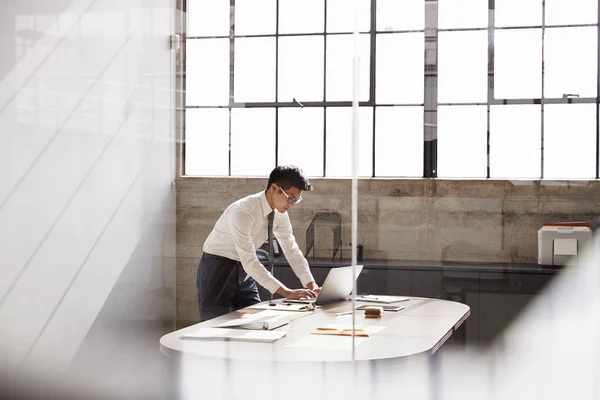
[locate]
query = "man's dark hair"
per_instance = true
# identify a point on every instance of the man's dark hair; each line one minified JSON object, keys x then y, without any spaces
{"x":287,"y":176}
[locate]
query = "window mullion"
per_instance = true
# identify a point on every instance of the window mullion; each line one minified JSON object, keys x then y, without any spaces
{"x":491,"y":70}
{"x":231,"y":69}
{"x":430,"y":90}
{"x":372,"y":76}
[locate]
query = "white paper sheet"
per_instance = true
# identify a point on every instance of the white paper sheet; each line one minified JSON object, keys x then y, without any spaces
{"x":370,"y":329}
{"x":374,"y":298}
{"x":283,"y":307}
{"x":258,"y":321}
{"x":235,"y":334}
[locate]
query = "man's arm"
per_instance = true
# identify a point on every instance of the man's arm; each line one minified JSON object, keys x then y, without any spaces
{"x":240,"y":224}
{"x":283,"y":232}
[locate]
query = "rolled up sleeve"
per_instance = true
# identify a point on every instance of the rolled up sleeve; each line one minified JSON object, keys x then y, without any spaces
{"x":284,"y":234}
{"x":240,"y":223}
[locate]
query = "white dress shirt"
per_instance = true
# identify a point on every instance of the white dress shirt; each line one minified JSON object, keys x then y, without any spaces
{"x":243,"y":227}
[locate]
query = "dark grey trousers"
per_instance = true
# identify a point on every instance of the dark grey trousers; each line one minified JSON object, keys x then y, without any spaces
{"x":223,"y":286}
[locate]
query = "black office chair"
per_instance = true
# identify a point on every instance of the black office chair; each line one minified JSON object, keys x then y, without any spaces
{"x":262,"y":255}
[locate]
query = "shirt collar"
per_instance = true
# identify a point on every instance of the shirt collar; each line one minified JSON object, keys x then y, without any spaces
{"x":266,"y":208}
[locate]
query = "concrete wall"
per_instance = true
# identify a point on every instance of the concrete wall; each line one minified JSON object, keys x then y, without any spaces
{"x":420,"y":219}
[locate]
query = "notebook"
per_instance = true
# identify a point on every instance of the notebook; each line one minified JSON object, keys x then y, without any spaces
{"x":261,"y":323}
{"x":373,"y":298}
{"x":235,"y":335}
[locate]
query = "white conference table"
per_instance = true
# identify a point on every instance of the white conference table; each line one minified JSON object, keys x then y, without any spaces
{"x":420,"y":329}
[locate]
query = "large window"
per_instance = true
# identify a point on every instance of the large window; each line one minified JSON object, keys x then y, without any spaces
{"x":447,"y":89}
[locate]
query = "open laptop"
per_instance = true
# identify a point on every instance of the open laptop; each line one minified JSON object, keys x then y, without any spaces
{"x":337,"y":286}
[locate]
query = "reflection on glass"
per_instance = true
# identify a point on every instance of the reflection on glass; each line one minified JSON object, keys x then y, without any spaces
{"x":570,"y":61}
{"x":255,"y":17}
{"x":563,"y":12}
{"x":254,"y":69}
{"x":462,"y":68}
{"x":399,"y":68}
{"x":301,"y":68}
{"x":208,"y":18}
{"x":301,"y":139}
{"x":518,"y":63}
{"x":569,"y":141}
{"x":207,"y":141}
{"x":207,"y":72}
{"x":339,"y":141}
{"x":518,"y":13}
{"x":340,"y":16}
{"x":515,"y":141}
{"x":340,"y":55}
{"x":394,"y":15}
{"x":462,"y":141}
{"x":462,"y":14}
{"x":399,"y":141}
{"x":301,"y":16}
{"x":252,"y":141}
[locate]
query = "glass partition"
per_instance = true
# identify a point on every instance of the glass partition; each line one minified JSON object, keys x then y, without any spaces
{"x":447,"y":143}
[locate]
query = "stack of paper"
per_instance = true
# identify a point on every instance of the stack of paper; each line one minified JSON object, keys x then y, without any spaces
{"x":257,"y":321}
{"x":284,"y":306}
{"x":235,"y":334}
{"x":381,"y":299}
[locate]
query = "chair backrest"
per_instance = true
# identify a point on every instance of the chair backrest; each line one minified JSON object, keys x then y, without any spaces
{"x":330,"y":219}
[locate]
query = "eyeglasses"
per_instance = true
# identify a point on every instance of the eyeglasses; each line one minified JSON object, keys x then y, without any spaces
{"x":290,"y":199}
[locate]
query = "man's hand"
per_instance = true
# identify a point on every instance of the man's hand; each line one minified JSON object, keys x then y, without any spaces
{"x":313,"y":286}
{"x":296,"y":293}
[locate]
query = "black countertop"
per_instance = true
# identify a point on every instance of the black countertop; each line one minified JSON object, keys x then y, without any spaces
{"x":445,"y":266}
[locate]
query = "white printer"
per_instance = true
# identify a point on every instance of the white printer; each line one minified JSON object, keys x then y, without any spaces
{"x":560,"y":241}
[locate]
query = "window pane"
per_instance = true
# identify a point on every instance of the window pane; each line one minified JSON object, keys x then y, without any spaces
{"x":518,"y":13}
{"x":462,"y":141}
{"x":399,"y":141}
{"x":564,"y":12}
{"x":254,"y":69}
{"x":339,"y":141}
{"x":462,"y":68}
{"x":255,"y":17}
{"x":462,"y":14}
{"x":400,"y":68}
{"x":515,"y":141}
{"x":394,"y":15}
{"x":569,"y":141}
{"x":301,"y":139}
{"x":208,"y":18}
{"x":207,"y":83}
{"x":340,"y":15}
{"x":301,"y":68}
{"x":570,"y":61}
{"x":252,"y":141}
{"x":207,"y":141}
{"x":301,"y":16}
{"x":518,"y":63}
{"x":340,"y":54}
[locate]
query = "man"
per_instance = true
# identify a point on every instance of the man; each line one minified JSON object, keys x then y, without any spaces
{"x":229,"y":267}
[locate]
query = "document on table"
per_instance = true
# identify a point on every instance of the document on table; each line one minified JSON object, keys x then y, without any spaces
{"x":284,"y":306}
{"x":325,"y":342}
{"x":346,"y":330}
{"x":266,"y":320}
{"x":372,"y":298}
{"x":235,"y":335}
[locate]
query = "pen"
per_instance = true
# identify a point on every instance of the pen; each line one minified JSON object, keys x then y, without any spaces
{"x":369,"y":297}
{"x":343,"y":313}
